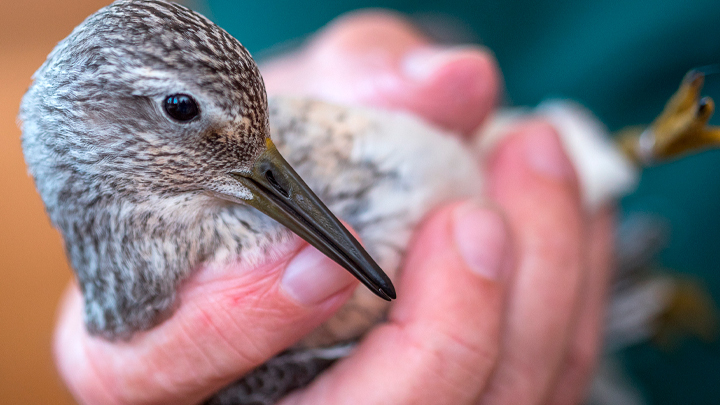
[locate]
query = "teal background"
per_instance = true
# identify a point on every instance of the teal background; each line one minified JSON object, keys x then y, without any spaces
{"x":622,"y":59}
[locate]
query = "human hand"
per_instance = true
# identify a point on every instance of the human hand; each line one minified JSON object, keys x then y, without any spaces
{"x":458,"y":330}
{"x":527,"y":332}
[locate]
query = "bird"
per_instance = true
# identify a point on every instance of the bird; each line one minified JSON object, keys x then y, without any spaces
{"x":155,"y":149}
{"x":149,"y":120}
{"x":147,"y":133}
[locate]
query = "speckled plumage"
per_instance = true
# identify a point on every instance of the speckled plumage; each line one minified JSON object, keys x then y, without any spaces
{"x":120,"y":179}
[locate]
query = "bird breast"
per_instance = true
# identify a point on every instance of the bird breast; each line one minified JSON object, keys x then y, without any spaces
{"x":380,"y":172}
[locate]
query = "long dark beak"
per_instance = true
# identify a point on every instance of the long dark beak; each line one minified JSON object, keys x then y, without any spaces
{"x":279,"y":192}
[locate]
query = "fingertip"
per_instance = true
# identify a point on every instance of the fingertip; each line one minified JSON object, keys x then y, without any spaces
{"x":481,"y":237}
{"x":295,"y":284}
{"x":531,"y":152}
{"x":360,"y":30}
{"x":453,"y":87}
{"x":460,"y":254}
{"x":310,"y":277}
{"x":545,"y":152}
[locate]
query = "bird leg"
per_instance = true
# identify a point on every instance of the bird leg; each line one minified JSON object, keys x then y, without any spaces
{"x":679,"y":130}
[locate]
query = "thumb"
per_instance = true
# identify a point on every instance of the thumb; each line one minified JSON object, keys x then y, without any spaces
{"x":229,"y":321}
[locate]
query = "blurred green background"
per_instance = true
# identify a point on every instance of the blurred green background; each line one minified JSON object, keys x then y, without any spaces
{"x":623,"y":60}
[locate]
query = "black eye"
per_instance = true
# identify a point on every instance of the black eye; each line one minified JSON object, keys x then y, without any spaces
{"x":181,"y":107}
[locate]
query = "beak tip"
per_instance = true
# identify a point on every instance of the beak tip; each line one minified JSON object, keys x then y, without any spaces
{"x":391,"y":293}
{"x":387,"y":292}
{"x":279,"y":192}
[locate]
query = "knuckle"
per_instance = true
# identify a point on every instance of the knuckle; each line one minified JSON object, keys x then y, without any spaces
{"x":456,"y":361}
{"x":369,"y":22}
{"x":362,"y":30}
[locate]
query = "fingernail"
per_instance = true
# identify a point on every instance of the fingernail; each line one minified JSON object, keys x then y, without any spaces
{"x":421,"y":63}
{"x":545,"y":154}
{"x":481,"y":239}
{"x":311,"y":277}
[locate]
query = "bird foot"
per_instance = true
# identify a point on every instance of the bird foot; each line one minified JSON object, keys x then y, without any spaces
{"x":691,"y":312}
{"x":681,"y":128}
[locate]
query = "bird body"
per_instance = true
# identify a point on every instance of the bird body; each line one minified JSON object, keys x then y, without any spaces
{"x":379,"y":171}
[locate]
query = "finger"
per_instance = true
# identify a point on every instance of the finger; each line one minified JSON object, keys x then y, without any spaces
{"x":531,"y":178}
{"x":230,"y":320}
{"x":378,"y":58}
{"x":577,"y":367}
{"x":442,"y":337}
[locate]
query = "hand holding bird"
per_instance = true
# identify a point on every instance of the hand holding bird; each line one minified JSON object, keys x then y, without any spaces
{"x":497,"y":304}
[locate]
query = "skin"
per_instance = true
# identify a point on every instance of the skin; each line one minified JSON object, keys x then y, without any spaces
{"x":527,"y":270}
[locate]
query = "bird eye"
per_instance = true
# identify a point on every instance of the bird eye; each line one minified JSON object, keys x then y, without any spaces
{"x":181,"y":107}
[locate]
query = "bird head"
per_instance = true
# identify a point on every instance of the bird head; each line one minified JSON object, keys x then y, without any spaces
{"x":146,"y":100}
